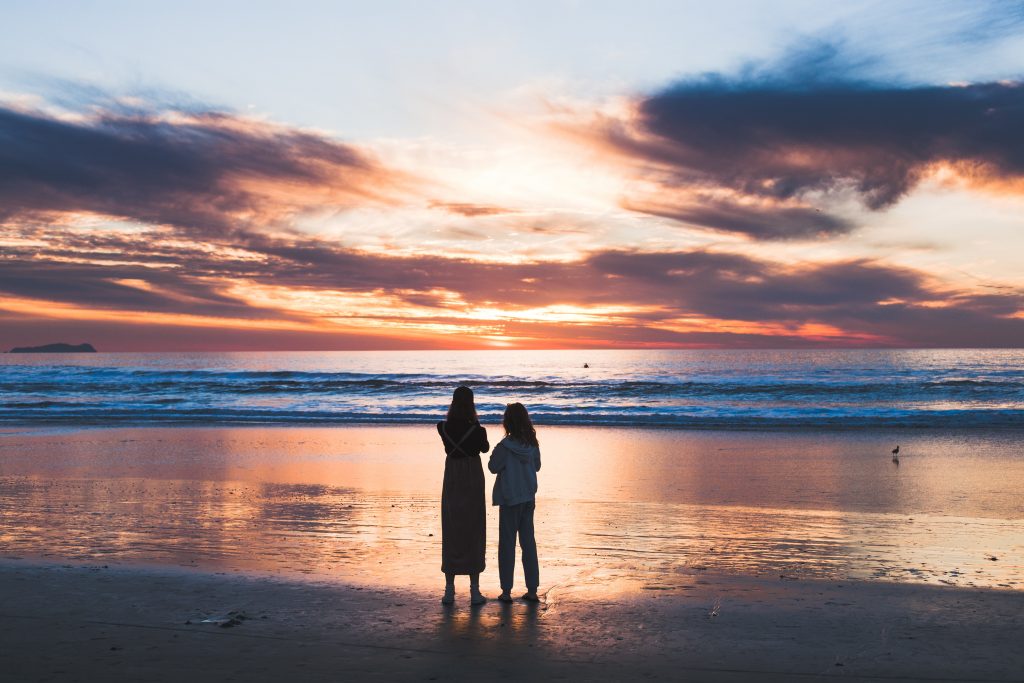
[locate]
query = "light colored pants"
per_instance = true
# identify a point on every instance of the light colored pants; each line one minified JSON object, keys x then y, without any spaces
{"x":516,"y":520}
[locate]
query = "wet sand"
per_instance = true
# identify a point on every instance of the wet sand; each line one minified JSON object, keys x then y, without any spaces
{"x":87,"y":623}
{"x":696,"y":555}
{"x":333,"y":503}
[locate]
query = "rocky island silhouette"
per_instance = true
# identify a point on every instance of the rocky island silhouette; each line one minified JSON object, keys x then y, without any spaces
{"x":55,"y":348}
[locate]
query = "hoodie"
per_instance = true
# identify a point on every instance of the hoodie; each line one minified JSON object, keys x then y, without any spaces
{"x":516,"y":465}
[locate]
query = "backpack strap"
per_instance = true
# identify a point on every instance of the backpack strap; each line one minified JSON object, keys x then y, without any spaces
{"x":457,"y":445}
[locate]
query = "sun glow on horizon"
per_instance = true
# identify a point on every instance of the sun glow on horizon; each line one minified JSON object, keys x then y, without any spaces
{"x":710,"y":195}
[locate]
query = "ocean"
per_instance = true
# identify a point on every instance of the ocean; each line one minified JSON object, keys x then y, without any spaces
{"x":757,"y":463}
{"x":695,"y":389}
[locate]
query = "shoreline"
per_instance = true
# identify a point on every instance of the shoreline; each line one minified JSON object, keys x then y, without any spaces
{"x":495,"y":424}
{"x":839,"y":424}
{"x":68,"y":622}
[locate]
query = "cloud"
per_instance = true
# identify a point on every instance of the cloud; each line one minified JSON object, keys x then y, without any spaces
{"x":125,"y":286}
{"x":868,"y":300}
{"x":113,"y":335}
{"x":202,"y":172}
{"x":782,"y":140}
{"x":736,"y":287}
{"x":795,"y":137}
{"x":607,"y":297}
{"x":761,"y":221}
{"x":470,"y":210}
{"x":213,"y":191}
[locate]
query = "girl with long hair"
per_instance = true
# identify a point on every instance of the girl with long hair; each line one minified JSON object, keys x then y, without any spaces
{"x":516,"y":461}
{"x":463,"y":505}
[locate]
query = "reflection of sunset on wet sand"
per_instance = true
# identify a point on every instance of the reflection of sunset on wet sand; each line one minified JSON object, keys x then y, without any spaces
{"x":359,"y":505}
{"x":678,"y":551}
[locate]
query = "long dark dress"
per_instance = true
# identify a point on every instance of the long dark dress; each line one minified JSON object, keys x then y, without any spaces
{"x":463,"y":505}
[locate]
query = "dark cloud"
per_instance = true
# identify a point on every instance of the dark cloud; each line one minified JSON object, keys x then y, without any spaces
{"x":735,"y":287}
{"x":805,"y":132}
{"x":863,"y":298}
{"x":756,"y":221}
{"x":853,"y":295}
{"x":204,"y":172}
{"x":126,"y":286}
{"x":782,"y":141}
{"x":863,"y":302}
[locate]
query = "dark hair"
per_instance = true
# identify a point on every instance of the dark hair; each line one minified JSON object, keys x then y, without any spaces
{"x":517,"y":424}
{"x":462,"y":407}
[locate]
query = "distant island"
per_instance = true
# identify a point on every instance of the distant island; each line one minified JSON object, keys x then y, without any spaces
{"x":55,"y":348}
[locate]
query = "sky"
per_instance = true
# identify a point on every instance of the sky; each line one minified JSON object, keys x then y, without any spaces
{"x":401,"y":175}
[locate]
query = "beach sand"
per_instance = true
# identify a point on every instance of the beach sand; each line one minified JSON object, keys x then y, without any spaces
{"x":664,"y":554}
{"x":89,"y":623}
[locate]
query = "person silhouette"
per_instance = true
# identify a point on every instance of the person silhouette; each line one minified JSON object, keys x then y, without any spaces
{"x":463,"y":502}
{"x":516,"y":461}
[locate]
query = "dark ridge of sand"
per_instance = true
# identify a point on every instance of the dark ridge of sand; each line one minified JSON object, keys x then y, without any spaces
{"x":93,"y":622}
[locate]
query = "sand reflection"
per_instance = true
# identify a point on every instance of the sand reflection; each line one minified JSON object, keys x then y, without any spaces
{"x":620,"y":510}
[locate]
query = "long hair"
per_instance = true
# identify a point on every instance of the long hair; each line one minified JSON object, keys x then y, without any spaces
{"x":462,"y":407}
{"x":518,"y":425}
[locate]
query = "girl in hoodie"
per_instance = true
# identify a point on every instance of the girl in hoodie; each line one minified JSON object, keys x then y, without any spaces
{"x":463,"y":502}
{"x":516,"y":461}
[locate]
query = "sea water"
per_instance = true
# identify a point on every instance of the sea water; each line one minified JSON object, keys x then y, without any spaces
{"x":713,"y":389}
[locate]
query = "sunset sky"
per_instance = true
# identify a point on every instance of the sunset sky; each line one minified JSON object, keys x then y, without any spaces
{"x":327,"y":175}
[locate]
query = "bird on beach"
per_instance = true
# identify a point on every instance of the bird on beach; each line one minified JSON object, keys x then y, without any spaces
{"x":896,"y":454}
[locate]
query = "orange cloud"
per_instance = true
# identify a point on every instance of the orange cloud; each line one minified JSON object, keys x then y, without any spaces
{"x":200,"y":173}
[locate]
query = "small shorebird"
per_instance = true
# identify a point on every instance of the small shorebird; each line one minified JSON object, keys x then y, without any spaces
{"x":896,"y":454}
